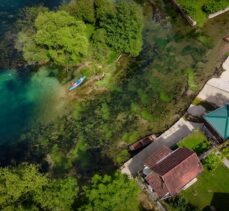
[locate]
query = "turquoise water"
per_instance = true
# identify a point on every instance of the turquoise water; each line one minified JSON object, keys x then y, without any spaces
{"x":25,"y":99}
{"x":29,"y":97}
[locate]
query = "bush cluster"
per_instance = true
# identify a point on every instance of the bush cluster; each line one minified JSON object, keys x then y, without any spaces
{"x":213,"y":6}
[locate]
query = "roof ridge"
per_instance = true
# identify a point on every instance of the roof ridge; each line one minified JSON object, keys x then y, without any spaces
{"x":217,"y":116}
{"x":180,"y":148}
{"x":166,"y":156}
{"x":226,"y":125}
{"x":168,"y":187}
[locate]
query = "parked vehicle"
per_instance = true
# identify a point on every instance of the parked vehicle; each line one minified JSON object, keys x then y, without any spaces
{"x":143,"y":142}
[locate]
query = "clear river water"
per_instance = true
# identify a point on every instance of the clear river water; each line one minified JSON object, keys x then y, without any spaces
{"x":25,"y":97}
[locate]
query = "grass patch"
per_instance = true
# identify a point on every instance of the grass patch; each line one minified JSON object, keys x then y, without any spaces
{"x":200,"y":9}
{"x":212,"y":188}
{"x":191,"y":80}
{"x":197,"y":142}
{"x":205,"y":40}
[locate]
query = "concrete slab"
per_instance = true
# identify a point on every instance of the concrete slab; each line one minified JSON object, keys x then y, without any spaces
{"x":225,"y":75}
{"x":219,"y":83}
{"x":214,"y":95}
{"x":226,"y":162}
{"x":178,"y":131}
{"x":226,"y":64}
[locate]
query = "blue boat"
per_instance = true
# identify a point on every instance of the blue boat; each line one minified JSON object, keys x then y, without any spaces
{"x":77,"y":83}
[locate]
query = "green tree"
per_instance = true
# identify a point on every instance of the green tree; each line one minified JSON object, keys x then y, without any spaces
{"x":18,"y":183}
{"x":58,"y":194}
{"x":28,"y":15}
{"x":112,"y":193}
{"x":24,"y":187}
{"x":212,"y":161}
{"x":124,"y":29}
{"x":81,"y":10}
{"x":104,"y":9}
{"x":99,"y":45}
{"x":58,"y":38}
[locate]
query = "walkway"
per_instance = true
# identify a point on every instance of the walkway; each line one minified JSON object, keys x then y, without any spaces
{"x":178,"y":131}
{"x":226,"y":162}
{"x":215,"y":91}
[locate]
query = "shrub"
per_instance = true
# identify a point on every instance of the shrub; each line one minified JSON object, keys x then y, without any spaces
{"x":122,"y":156}
{"x":181,"y":204}
{"x":225,"y":152}
{"x":212,"y":161}
{"x":213,"y":6}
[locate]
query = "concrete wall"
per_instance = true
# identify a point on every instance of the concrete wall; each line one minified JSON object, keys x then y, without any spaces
{"x":218,"y":13}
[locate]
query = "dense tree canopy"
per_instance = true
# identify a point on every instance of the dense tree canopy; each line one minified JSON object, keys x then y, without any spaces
{"x":81,"y":10}
{"x":23,"y":187}
{"x":124,"y":27}
{"x":80,"y":32}
{"x":59,"y":38}
{"x":112,"y":193}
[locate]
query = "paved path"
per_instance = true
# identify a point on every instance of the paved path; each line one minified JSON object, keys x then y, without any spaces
{"x":215,"y":91}
{"x":226,"y":162}
{"x":169,"y":138}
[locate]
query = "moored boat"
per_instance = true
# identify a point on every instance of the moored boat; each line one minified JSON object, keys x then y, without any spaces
{"x":77,"y":83}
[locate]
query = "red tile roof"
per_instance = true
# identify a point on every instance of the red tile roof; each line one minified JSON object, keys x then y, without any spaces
{"x":182,"y":174}
{"x":172,"y":160}
{"x":174,"y":171}
{"x":158,"y":185}
{"x":157,"y":155}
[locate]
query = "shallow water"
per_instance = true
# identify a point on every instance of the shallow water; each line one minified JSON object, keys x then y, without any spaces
{"x":26,"y":100}
{"x":9,"y":10}
{"x":29,"y":97}
{"x":169,"y":48}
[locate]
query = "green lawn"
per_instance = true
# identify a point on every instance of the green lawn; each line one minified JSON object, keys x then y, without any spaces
{"x":211,"y":188}
{"x":200,"y":9}
{"x":197,"y":142}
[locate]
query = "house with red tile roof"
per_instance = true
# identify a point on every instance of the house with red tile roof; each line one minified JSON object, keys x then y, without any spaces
{"x":168,"y":172}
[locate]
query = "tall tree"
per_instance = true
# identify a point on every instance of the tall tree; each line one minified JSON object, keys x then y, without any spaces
{"x":124,"y":28}
{"x":81,"y":10}
{"x":24,"y":187}
{"x":17,"y":184}
{"x":115,"y":193}
{"x":58,"y":38}
{"x":58,"y":194}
